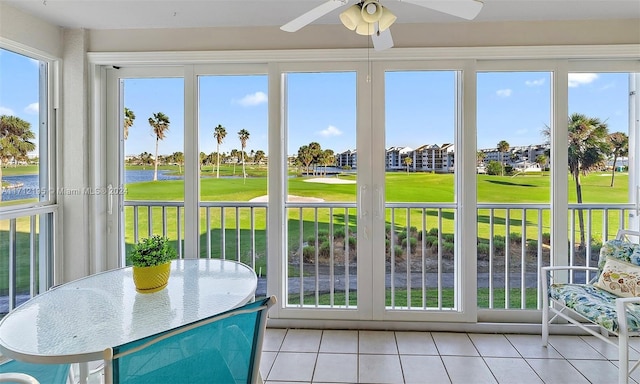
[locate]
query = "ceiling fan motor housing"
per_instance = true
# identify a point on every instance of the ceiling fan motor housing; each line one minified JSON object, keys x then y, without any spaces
{"x":371,"y":11}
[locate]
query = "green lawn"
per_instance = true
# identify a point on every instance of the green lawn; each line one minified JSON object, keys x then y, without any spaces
{"x":400,"y":187}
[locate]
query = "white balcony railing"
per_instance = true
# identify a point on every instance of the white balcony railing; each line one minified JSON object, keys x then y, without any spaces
{"x":321,"y":254}
{"x":26,"y":254}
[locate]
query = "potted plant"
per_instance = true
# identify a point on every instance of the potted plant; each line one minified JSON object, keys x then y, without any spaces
{"x":151,"y":258}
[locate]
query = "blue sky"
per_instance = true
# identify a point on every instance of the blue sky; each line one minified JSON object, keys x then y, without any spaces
{"x":512,"y":106}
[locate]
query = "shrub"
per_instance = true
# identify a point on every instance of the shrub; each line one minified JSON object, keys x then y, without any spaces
{"x":448,"y":247}
{"x":431,"y":240}
{"x":152,"y":251}
{"x":433,"y":232}
{"x":325,"y":249}
{"x":494,"y":168}
{"x":401,"y":236}
{"x":339,"y":233}
{"x":515,"y":237}
{"x":483,"y":249}
{"x":398,"y":250}
{"x":308,"y":253}
{"x":412,"y":243}
{"x":448,"y":237}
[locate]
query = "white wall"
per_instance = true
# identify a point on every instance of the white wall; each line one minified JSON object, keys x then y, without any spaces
{"x":460,"y":34}
{"x":23,"y":29}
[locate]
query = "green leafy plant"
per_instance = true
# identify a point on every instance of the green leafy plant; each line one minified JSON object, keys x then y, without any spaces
{"x":152,"y":251}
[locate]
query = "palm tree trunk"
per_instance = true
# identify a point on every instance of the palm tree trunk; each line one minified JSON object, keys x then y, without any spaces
{"x":244,"y":174}
{"x":613,"y":169}
{"x":576,"y":176}
{"x":218,"y":161}
{"x":155,"y":170}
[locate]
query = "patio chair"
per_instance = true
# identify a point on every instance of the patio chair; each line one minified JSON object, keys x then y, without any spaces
{"x":224,"y":348}
{"x":14,"y":371}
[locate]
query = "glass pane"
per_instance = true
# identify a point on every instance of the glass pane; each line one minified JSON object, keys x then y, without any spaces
{"x":154,"y":158}
{"x":598,"y":134}
{"x":420,"y":126}
{"x":321,"y":225}
{"x":513,"y":119}
{"x":233,"y":126}
{"x":20,"y":138}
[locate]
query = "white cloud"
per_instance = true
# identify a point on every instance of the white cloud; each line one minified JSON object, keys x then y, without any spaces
{"x":32,"y":108}
{"x":330,"y":131}
{"x":504,"y":92}
{"x":253,"y":99}
{"x":6,"y":111}
{"x":534,"y":83}
{"x":577,"y":79}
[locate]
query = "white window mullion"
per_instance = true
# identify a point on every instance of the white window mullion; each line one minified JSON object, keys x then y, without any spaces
{"x":191,"y":168}
{"x":559,"y":164}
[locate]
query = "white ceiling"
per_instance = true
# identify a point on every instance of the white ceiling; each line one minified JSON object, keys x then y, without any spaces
{"x":132,"y":14}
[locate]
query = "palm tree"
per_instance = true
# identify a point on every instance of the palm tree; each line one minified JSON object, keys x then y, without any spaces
{"x":619,"y":147}
{"x":588,"y":150}
{"x":178,"y":157}
{"x":541,"y":160}
{"x":243,"y":135}
{"x":503,"y":147}
{"x":327,"y":158}
{"x":259,"y":156}
{"x":15,"y":136}
{"x":305,"y":157}
{"x":159,"y":122}
{"x":480,"y":156}
{"x":315,"y":150}
{"x":408,"y":161}
{"x":129,"y":117}
{"x":219,"y":133}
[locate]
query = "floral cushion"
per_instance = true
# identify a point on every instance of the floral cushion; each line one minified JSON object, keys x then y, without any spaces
{"x":620,"y":278}
{"x":619,"y":249}
{"x":595,"y":304}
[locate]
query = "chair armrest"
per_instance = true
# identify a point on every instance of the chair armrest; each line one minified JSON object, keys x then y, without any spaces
{"x":11,"y":377}
{"x":569,"y":268}
{"x":546,"y":271}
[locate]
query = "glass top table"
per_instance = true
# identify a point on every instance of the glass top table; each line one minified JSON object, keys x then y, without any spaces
{"x":75,"y":322}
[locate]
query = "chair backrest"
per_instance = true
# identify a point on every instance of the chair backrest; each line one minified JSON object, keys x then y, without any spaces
{"x":624,"y":247}
{"x":224,"y":348}
{"x":43,"y":373}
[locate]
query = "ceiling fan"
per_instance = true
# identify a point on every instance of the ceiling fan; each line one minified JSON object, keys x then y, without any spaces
{"x":369,"y":17}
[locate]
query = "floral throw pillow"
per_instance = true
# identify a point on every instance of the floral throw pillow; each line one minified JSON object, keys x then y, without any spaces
{"x":620,"y":278}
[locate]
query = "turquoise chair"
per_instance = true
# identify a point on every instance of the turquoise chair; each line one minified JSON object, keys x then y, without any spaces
{"x":39,"y":373}
{"x":223,"y":349}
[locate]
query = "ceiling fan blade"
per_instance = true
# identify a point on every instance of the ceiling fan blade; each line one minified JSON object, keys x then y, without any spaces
{"x":312,"y":15}
{"x":382,"y":40}
{"x":466,"y":9}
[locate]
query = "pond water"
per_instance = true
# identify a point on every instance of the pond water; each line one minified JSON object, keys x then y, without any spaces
{"x":27,"y":186}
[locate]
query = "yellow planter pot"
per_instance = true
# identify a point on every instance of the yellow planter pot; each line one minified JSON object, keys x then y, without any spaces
{"x":151,"y":279}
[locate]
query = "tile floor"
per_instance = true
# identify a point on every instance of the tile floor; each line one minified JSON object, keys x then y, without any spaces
{"x":333,"y":356}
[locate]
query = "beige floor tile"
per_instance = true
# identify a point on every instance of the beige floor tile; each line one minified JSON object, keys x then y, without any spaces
{"x":377,"y":342}
{"x":417,"y":368}
{"x":572,"y":347}
{"x":339,"y":341}
{"x":302,"y":340}
{"x":512,"y":370}
{"x":273,"y":338}
{"x":530,"y":346}
{"x":454,"y":344}
{"x":336,"y":368}
{"x":468,"y":370}
{"x":492,"y":345}
{"x":557,"y":371}
{"x":290,"y":366}
{"x":599,"y":371}
{"x":416,"y":343}
{"x":377,"y":369}
{"x":266,"y":362}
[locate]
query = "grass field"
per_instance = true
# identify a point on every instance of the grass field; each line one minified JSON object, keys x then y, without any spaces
{"x":400,"y":187}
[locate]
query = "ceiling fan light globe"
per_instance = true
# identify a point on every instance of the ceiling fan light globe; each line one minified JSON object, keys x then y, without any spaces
{"x":371,"y":11}
{"x":386,"y":20}
{"x":351,"y":17}
{"x":365,"y":29}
